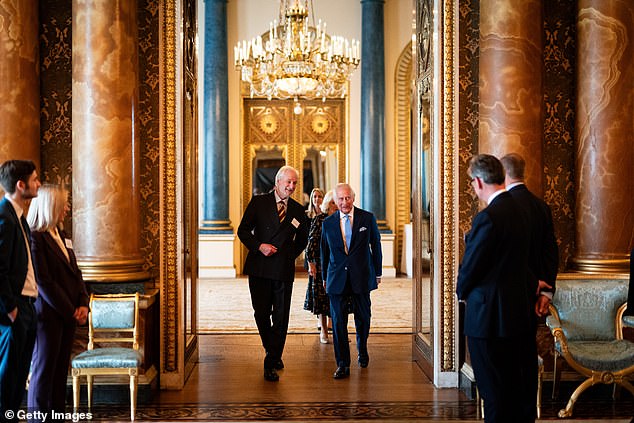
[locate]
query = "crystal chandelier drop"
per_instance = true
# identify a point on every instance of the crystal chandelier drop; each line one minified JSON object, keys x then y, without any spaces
{"x":295,"y":59}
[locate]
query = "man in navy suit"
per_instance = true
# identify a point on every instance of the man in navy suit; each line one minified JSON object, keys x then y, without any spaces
{"x":494,"y":280}
{"x":274,"y":228}
{"x":351,"y":267}
{"x":543,"y":260}
{"x":18,"y":288}
{"x":544,"y":252}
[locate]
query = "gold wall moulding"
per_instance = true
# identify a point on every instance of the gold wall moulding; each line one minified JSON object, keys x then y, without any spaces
{"x":113,"y":270}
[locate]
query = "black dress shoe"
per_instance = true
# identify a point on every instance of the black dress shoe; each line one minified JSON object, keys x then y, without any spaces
{"x":341,"y":372}
{"x":279,"y":365}
{"x":364,"y":361}
{"x":271,"y":375}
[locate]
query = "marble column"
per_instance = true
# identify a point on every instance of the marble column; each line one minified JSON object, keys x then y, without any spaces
{"x":373,"y":109}
{"x":105,"y":149}
{"x":604,"y":135}
{"x":511,"y":94}
{"x":216,"y":121}
{"x":19,"y":81}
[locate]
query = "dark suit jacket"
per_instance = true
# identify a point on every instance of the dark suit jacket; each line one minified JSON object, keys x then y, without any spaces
{"x":260,"y":224}
{"x":494,"y":276}
{"x":60,"y":284}
{"x":13,"y":260}
{"x":544,"y":254}
{"x":363,"y":262}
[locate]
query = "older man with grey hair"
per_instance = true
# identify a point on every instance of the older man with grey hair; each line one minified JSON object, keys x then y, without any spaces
{"x":274,"y":228}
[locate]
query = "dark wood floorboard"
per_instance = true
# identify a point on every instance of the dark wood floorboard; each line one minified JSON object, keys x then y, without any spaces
{"x":227,"y":386}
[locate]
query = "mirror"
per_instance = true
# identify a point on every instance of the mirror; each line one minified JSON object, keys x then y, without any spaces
{"x":320,"y":169}
{"x":266,"y":163}
{"x":189,"y":170}
{"x":423,"y":186}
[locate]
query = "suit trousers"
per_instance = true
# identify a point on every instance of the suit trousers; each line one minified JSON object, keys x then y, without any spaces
{"x":503,"y":379}
{"x":16,"y":347}
{"x":339,"y":308}
{"x":271,"y":301}
{"x":51,"y":358}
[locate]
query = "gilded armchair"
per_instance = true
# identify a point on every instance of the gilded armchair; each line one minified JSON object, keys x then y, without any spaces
{"x":113,"y":321}
{"x":586,"y":322}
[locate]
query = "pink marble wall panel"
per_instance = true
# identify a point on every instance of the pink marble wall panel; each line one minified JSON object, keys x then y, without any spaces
{"x":19,"y":81}
{"x":105,"y":149}
{"x":511,"y":83}
{"x":605,"y":130}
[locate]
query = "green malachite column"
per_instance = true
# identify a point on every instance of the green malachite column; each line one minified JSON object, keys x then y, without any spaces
{"x":373,"y":110}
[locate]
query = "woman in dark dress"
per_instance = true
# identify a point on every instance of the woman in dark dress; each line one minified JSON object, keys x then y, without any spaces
{"x":317,"y":300}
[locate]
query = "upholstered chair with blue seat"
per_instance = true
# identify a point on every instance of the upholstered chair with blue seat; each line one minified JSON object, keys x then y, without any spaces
{"x":586,"y":322}
{"x":113,"y":347}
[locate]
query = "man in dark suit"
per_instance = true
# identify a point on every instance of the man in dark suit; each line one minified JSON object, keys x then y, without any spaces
{"x":351,"y":267}
{"x":544,"y":253}
{"x":18,"y":288}
{"x":274,"y":228}
{"x":495,"y":282}
{"x":543,"y":260}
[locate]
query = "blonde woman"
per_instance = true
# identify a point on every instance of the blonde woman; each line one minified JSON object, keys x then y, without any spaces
{"x":316,"y":299}
{"x":62,"y":302}
{"x":314,"y":205}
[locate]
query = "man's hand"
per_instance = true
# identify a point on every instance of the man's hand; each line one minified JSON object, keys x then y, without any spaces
{"x":13,"y":314}
{"x":541,"y":285}
{"x":541,"y":306}
{"x":378,"y":280}
{"x":312,"y":269}
{"x":267,"y":249}
{"x":81,"y":314}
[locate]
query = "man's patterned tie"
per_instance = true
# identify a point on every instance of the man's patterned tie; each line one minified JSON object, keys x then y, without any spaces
{"x":281,"y":210}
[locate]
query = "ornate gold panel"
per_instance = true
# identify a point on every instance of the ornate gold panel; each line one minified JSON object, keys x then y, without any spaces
{"x":274,"y":134}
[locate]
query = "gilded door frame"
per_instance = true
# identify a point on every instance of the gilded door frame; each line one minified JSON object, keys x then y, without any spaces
{"x":174,"y":350}
{"x":436,"y":70}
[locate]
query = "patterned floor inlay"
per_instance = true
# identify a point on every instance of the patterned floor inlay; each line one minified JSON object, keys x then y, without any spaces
{"x":390,"y":411}
{"x":375,"y":411}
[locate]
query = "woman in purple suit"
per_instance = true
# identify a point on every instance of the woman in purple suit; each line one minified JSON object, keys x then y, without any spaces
{"x":62,"y":302}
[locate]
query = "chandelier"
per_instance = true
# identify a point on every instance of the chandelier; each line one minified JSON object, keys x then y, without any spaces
{"x":297,"y":60}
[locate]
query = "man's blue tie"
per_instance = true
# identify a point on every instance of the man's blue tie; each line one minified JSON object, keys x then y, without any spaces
{"x":347,"y":230}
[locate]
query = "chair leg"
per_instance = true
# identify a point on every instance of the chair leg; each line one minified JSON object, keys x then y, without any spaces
{"x":76,"y":390}
{"x":567,"y":412}
{"x":133,"y":386}
{"x":627,"y":385}
{"x":89,"y":388}
{"x":540,"y":373}
{"x":479,"y":405}
{"x":555,"y":356}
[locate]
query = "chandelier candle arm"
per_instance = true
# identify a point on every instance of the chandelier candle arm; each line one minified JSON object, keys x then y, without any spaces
{"x":294,"y":59}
